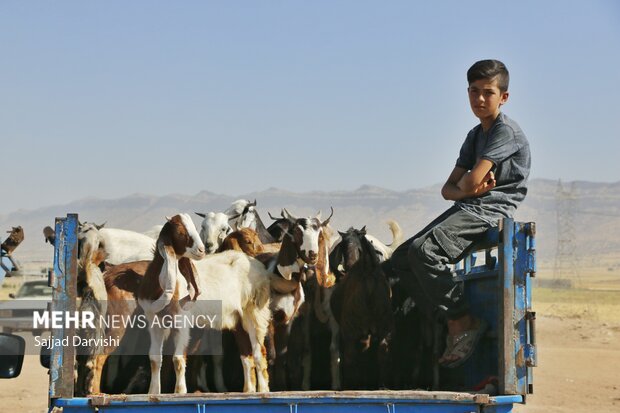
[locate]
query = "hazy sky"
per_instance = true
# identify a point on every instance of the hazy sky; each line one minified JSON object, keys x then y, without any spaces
{"x":110,"y":98}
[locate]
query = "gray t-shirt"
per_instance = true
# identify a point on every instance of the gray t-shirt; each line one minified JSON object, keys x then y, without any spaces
{"x":507,"y":147}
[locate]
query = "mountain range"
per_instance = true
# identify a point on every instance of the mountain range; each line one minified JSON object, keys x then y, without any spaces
{"x":589,"y":213}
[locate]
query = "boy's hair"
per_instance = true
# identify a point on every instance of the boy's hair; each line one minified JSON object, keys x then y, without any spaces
{"x":489,"y":69}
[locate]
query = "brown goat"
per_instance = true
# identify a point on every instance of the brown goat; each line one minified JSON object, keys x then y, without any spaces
{"x":245,"y":240}
{"x":248,"y":241}
{"x":121,"y":283}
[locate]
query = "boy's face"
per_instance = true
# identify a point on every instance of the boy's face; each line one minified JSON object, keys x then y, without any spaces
{"x":485,"y":98}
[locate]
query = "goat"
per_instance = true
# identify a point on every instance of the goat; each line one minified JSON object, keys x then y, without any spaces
{"x":234,"y":211}
{"x":249,"y":218}
{"x":362,"y":307}
{"x":121,"y":245}
{"x":213,"y":229}
{"x":14,"y":239}
{"x":245,"y":240}
{"x":240,"y":282}
{"x":278,"y":228}
{"x":304,"y":255}
{"x":121,"y":283}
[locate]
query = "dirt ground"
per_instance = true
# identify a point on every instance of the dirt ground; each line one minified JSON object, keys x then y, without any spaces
{"x":578,"y":368}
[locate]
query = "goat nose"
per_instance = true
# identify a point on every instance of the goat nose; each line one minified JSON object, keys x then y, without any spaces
{"x":312,"y":255}
{"x":201,"y":250}
{"x":209,"y":246}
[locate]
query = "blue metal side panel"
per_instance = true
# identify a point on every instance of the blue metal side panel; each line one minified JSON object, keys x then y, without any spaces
{"x":517,"y":349}
{"x":507,"y":368}
{"x":64,"y":282}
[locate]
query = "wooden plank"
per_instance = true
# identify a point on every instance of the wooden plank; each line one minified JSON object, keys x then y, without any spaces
{"x":420,"y":395}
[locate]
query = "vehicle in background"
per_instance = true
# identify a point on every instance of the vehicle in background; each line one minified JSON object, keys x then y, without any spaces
{"x":16,"y":314}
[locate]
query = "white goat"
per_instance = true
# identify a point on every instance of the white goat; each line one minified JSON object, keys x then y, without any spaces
{"x":238,"y":281}
{"x":213,"y":229}
{"x":235,"y":211}
{"x":121,"y":245}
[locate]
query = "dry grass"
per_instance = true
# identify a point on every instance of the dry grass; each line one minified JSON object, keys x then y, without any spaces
{"x":598,"y":305}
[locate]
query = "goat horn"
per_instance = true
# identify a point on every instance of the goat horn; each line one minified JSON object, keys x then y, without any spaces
{"x":200,"y":215}
{"x":252,"y":203}
{"x":272,"y":217}
{"x":328,"y":218}
{"x":288,"y":216}
{"x":281,"y":285}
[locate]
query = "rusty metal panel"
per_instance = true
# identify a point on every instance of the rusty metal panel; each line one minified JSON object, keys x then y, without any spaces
{"x":64,"y":291}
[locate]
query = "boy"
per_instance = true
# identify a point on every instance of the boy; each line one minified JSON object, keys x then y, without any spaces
{"x":487,"y":183}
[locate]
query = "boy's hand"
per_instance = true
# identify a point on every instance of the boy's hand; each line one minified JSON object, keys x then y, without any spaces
{"x":487,"y":184}
{"x":459,"y":185}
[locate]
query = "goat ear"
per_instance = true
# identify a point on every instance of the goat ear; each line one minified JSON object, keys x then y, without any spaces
{"x":324,"y":276}
{"x":188,"y":271}
{"x":168,"y":275}
{"x":165,"y":236}
{"x":200,"y":214}
{"x":287,"y":257}
{"x":168,"y":218}
{"x":363,"y":230}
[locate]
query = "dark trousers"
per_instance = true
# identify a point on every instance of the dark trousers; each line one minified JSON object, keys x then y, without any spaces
{"x":422,"y":261}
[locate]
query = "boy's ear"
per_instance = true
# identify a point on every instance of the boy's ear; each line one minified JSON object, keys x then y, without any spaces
{"x":504,"y":97}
